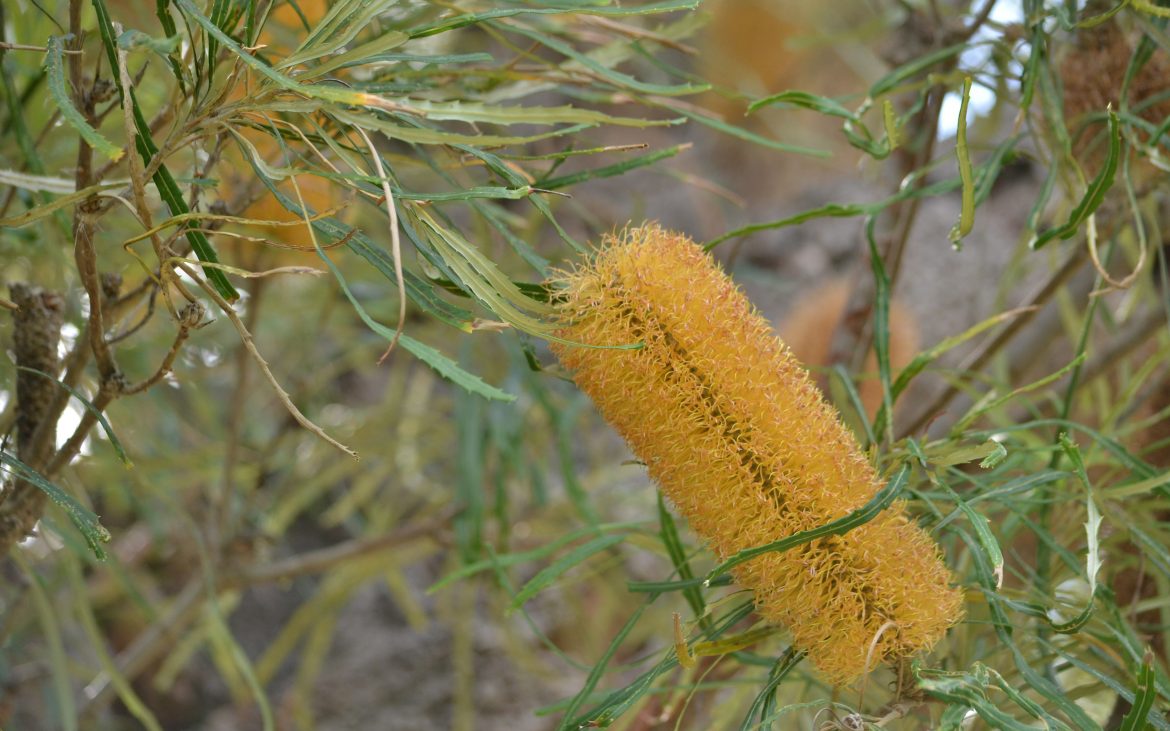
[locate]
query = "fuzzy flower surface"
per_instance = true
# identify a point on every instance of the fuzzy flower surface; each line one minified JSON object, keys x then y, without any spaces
{"x":741,"y":441}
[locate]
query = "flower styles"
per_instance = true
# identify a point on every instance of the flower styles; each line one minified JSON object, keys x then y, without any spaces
{"x":740,"y":440}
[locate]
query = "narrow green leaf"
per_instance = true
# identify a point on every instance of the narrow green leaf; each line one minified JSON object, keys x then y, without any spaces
{"x":324,"y":92}
{"x":762,"y":706}
{"x":805,"y":100}
{"x":63,"y":707}
{"x":512,"y":559}
{"x":446,"y":367}
{"x":862,"y":417}
{"x":418,"y":290}
{"x":662,"y":587}
{"x":221,"y":635}
{"x":1148,"y":7}
{"x":343,"y":22}
{"x":429,"y":136}
{"x":470,"y":456}
{"x":982,"y":526}
{"x":991,"y":402}
{"x":967,"y":211}
{"x":970,"y":689}
{"x":881,"y":327}
{"x":674,"y":548}
{"x":617,"y":702}
{"x":611,"y":170}
{"x":890,"y":122}
{"x":109,"y":430}
{"x":1144,"y":698}
{"x":616,"y":78}
{"x":614,"y":10}
{"x":829,"y":210}
{"x":442,"y":59}
{"x":440,"y":363}
{"x":86,"y":522}
{"x":359,"y":54}
{"x":1094,"y":194}
{"x":880,"y":501}
{"x":925,"y":358}
{"x":913,"y":68}
{"x":53,"y":205}
{"x":472,"y":112}
{"x":480,"y":275}
{"x":743,"y":134}
{"x":629,"y":694}
{"x":549,"y":574}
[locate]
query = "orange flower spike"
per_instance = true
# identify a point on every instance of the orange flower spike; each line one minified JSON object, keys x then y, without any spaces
{"x":741,"y":442}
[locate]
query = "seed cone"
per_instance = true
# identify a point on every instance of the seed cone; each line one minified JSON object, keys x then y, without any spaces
{"x":739,"y":439}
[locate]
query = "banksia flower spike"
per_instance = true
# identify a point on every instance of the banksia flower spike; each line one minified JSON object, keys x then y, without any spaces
{"x":741,"y":442}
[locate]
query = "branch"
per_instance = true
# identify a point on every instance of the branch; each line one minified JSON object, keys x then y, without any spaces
{"x":246,"y":338}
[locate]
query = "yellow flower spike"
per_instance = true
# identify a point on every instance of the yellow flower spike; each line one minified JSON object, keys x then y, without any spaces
{"x":740,"y":440}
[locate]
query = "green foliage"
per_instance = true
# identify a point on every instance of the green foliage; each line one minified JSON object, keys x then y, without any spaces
{"x":435,"y":164}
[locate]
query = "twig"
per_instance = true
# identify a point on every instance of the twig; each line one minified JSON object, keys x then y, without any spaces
{"x":25,"y":47}
{"x":191,"y":318}
{"x":1131,"y":336}
{"x":980,"y":357}
{"x":146,"y":316}
{"x":976,"y":23}
{"x":323,"y":559}
{"x":246,"y":338}
{"x":636,"y":34}
{"x":86,"y":258}
{"x":138,"y":178}
{"x":395,"y":243}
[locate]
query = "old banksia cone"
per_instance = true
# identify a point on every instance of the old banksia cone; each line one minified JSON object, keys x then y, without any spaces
{"x":741,"y":442}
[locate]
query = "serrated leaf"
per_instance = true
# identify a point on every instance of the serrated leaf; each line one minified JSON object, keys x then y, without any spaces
{"x":1143,"y":702}
{"x":52,"y":184}
{"x":86,"y":522}
{"x":480,"y":275}
{"x":430,"y":136}
{"x":471,"y":112}
{"x":324,"y":92}
{"x":440,"y":363}
{"x":44,"y":210}
{"x":58,"y":89}
{"x":1094,"y":194}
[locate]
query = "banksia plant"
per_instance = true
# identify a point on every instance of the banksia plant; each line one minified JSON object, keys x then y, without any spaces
{"x":732,"y":428}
